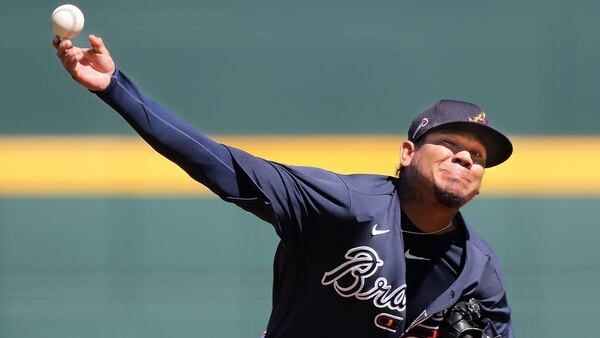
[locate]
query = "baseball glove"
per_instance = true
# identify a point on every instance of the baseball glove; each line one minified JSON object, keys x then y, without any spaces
{"x":461,"y":321}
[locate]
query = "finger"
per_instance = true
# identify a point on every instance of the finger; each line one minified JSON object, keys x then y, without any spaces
{"x":63,"y":46}
{"x":73,"y":52}
{"x":71,"y":59}
{"x":56,"y":41}
{"x":97,"y":44}
{"x":62,"y":50}
{"x":66,"y":44}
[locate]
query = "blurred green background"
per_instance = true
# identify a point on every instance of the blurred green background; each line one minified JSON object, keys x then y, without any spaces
{"x":197,"y":267}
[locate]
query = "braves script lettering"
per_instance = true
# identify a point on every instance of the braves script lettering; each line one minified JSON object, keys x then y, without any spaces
{"x":348,"y":280}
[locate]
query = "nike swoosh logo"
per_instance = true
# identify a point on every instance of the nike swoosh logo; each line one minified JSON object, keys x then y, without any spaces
{"x":408,"y":255}
{"x":376,"y":231}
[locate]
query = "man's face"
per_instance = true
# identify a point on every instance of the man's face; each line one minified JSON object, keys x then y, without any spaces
{"x":448,"y":166}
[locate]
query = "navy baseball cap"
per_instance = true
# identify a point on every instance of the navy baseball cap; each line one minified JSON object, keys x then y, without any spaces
{"x":460,"y":115}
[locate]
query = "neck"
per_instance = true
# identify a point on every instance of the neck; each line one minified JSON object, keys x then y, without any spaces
{"x":425,"y":212}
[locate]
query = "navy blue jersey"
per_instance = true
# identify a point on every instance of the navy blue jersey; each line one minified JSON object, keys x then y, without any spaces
{"x":340,"y":268}
{"x":433,"y":262}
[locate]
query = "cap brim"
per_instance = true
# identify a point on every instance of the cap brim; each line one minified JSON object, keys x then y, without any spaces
{"x":498,"y":146}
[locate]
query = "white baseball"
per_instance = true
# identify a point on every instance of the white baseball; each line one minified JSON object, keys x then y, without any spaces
{"x":67,"y":21}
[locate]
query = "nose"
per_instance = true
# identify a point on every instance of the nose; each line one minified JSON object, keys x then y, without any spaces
{"x":463,"y":158}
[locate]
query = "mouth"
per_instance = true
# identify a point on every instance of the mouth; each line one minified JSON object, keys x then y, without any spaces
{"x":455,"y":174}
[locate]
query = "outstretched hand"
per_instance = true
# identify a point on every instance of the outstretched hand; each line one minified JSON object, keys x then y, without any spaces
{"x":91,"y":67}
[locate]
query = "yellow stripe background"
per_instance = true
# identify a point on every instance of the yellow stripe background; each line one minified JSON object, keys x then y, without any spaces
{"x":126,"y":166}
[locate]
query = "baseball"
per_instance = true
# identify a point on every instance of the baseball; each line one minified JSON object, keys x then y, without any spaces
{"x":67,"y":21}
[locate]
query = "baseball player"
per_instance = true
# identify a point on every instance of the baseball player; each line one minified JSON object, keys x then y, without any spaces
{"x":359,"y":255}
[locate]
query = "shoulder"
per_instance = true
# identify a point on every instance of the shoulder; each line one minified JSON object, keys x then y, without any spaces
{"x":479,"y":245}
{"x":370,"y":184}
{"x":259,"y":168}
{"x":359,"y":183}
{"x":371,"y":195}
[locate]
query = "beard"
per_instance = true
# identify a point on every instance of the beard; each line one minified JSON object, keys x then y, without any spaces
{"x":448,"y":198}
{"x":447,"y":195}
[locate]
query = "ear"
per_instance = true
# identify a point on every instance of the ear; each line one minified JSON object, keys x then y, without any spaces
{"x":407,"y":152}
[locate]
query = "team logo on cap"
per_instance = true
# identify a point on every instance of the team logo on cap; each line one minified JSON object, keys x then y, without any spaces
{"x":479,"y":118}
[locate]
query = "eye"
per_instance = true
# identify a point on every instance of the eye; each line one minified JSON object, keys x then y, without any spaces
{"x":476,"y":153}
{"x":478,"y":157}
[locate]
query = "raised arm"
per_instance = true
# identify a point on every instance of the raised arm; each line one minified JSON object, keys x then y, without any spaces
{"x":288,"y":197}
{"x":205,"y":160}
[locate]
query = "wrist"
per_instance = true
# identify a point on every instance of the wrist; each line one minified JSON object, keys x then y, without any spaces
{"x":107,"y":84}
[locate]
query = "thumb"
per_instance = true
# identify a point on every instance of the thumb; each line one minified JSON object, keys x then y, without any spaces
{"x":97,"y":44}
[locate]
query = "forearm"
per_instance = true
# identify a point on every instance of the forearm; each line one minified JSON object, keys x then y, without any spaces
{"x":203,"y":159}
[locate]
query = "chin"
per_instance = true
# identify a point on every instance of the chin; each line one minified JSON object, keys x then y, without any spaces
{"x":452,"y":196}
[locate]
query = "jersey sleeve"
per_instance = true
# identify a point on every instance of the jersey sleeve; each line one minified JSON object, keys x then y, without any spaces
{"x":293,"y":199}
{"x":203,"y":159}
{"x":304,"y":200}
